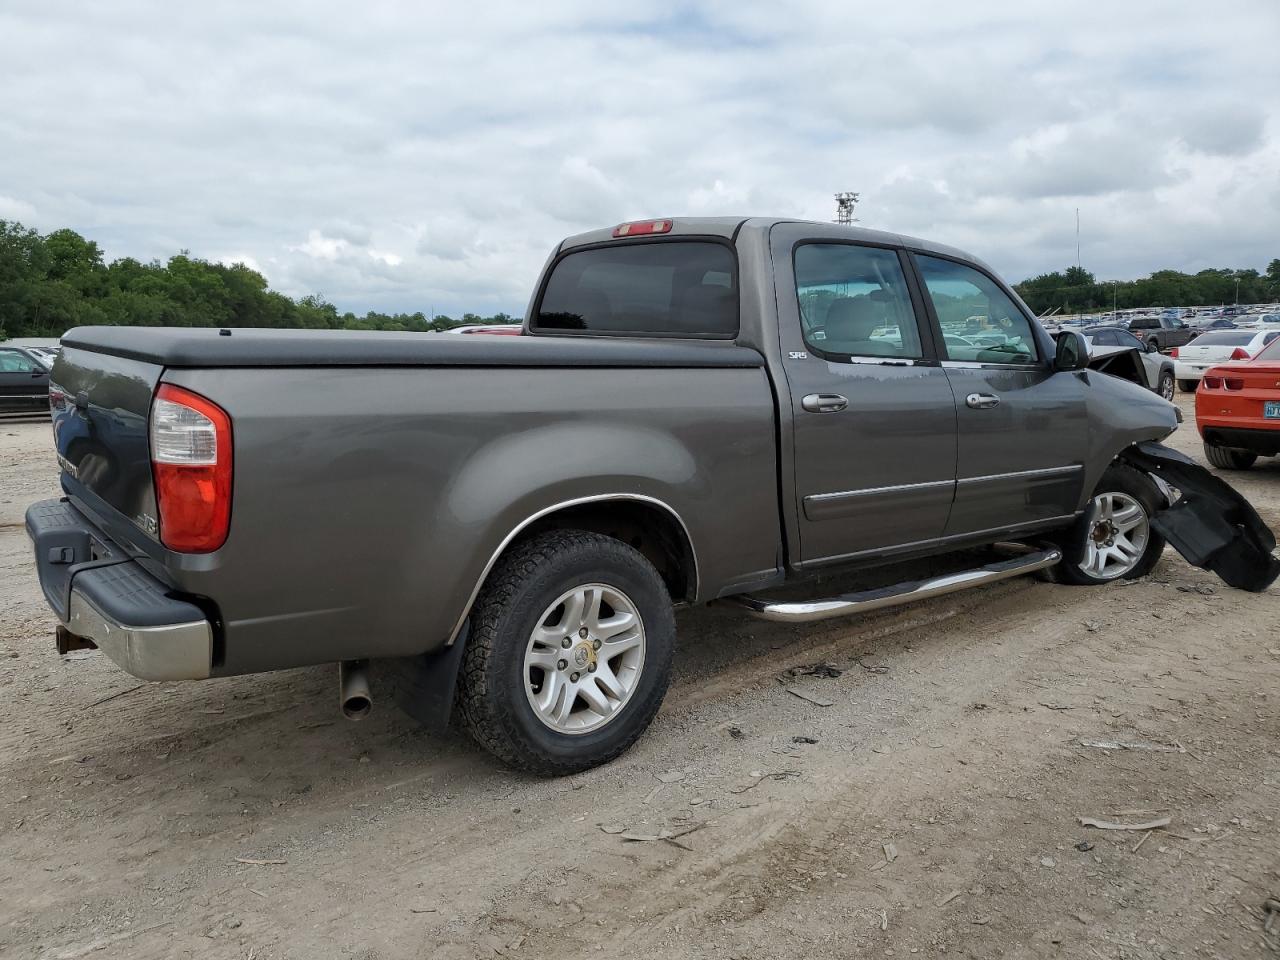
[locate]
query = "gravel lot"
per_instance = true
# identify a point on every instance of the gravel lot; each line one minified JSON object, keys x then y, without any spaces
{"x":936,"y":811}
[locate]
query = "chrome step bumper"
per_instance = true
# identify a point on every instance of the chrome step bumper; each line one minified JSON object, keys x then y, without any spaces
{"x":807,"y":611}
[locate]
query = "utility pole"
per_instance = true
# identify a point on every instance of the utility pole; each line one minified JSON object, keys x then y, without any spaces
{"x":1237,"y":291}
{"x":845,"y":202}
{"x":1077,"y":237}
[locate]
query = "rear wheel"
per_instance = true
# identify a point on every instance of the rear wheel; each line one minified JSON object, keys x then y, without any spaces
{"x":569,"y":654}
{"x":1228,"y":458}
{"x":1188,"y":386}
{"x":1114,"y":540}
{"x":1166,"y":385}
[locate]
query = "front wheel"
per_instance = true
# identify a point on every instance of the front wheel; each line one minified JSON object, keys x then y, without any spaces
{"x":569,"y":654}
{"x":1114,"y":540}
{"x":1188,"y":386}
{"x":1166,"y":385}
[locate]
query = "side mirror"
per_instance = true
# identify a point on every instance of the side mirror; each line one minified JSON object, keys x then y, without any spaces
{"x":1153,"y":347}
{"x":1072,"y":353}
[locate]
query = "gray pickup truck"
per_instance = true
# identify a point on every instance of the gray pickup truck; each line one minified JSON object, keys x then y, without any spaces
{"x":699,"y":410}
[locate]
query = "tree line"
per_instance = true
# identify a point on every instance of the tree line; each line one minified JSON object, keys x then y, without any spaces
{"x":52,"y":282}
{"x":1076,"y":290}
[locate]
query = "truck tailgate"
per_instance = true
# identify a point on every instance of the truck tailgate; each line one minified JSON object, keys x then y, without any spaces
{"x":100,"y":405}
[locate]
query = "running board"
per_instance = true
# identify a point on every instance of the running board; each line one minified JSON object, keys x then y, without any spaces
{"x":807,"y":611}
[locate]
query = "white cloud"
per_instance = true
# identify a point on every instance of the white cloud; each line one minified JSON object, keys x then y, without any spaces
{"x":408,"y":156}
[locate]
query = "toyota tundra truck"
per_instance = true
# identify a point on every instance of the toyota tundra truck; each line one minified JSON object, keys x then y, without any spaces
{"x":697,"y":411}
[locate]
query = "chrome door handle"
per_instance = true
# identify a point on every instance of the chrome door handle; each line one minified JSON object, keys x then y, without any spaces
{"x":824,"y":403}
{"x":981,"y":401}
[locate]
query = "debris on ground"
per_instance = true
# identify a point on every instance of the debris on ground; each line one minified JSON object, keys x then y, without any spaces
{"x":1133,"y":745}
{"x":884,"y":920}
{"x":1112,"y":825}
{"x":759,"y":776}
{"x":736,"y":733}
{"x":260,"y":863}
{"x":803,"y":739}
{"x":1084,"y":846}
{"x":671,"y":776}
{"x":817,"y":699}
{"x":871,"y":667}
{"x":944,"y":900}
{"x":1271,"y":910}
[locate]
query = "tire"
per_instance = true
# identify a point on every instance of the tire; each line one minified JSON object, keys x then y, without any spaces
{"x":1122,"y":488}
{"x":1154,"y":343}
{"x":1188,"y":386}
{"x":1165,"y":387}
{"x":1228,"y":458}
{"x":513,"y":691}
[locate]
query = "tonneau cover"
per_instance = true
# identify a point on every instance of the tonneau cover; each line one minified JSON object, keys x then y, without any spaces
{"x":239,"y":347}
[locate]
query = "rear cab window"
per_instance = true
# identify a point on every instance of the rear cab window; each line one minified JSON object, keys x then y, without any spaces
{"x":655,"y":288}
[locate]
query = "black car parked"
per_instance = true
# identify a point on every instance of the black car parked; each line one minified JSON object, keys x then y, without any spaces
{"x":24,"y":381}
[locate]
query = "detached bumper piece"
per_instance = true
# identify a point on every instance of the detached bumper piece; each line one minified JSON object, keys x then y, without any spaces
{"x":1211,"y":525}
{"x":103,"y":596}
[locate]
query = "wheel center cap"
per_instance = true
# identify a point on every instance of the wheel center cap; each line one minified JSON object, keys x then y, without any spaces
{"x":583,"y":655}
{"x":1102,"y":532}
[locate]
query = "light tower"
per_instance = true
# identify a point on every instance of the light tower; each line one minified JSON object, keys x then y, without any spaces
{"x":845,"y":202}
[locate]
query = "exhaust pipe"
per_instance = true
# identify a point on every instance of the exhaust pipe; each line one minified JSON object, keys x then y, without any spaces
{"x":353,"y":689}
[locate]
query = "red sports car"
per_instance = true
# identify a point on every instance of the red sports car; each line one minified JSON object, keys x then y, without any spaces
{"x":1238,"y":410}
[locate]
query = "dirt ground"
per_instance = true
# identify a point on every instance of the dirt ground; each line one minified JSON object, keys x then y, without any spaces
{"x":932,"y":809}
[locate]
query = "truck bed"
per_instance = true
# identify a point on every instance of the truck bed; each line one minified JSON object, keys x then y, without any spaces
{"x":212,"y":348}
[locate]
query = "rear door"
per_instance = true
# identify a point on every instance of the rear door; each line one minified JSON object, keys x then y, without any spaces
{"x":1022,"y":427}
{"x":873,"y":414}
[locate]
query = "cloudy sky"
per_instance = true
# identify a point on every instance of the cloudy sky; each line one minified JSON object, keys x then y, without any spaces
{"x":427,"y":156}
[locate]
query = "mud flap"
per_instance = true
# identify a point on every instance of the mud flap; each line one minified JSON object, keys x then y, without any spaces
{"x":1211,"y":525}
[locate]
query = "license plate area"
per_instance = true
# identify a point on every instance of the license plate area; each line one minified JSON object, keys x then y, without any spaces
{"x":1271,"y":410}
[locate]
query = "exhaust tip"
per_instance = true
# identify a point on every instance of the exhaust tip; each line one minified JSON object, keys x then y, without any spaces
{"x":356,"y":707}
{"x":353,"y":689}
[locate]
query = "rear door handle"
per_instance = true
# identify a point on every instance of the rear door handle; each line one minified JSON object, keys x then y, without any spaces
{"x":981,"y":401}
{"x":824,"y":403}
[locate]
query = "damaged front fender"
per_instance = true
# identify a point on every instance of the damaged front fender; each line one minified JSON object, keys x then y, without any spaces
{"x":1211,"y":525}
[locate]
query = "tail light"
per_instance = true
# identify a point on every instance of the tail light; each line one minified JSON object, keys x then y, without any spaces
{"x":1240,"y":353}
{"x":1233,"y":383}
{"x":642,"y":228}
{"x":1211,"y":383}
{"x":191,"y":466}
{"x":1174,"y":353}
{"x":57,"y":398}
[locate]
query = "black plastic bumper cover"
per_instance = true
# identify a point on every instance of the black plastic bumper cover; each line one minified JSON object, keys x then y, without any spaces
{"x":1211,"y":525}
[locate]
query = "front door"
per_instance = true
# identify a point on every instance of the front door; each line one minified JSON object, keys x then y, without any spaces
{"x":1022,"y":427}
{"x":873,"y":414}
{"x":24,"y":384}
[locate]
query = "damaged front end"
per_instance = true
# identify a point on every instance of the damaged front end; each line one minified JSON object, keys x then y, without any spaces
{"x":1211,"y":525}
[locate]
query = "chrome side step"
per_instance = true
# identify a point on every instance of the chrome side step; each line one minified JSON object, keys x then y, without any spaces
{"x":807,"y":611}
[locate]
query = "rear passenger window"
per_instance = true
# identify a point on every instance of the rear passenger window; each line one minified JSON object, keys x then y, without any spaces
{"x":671,"y":288}
{"x":980,"y":323}
{"x":854,"y":302}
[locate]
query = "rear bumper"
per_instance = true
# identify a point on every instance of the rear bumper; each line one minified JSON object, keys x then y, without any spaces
{"x":1189,"y":370}
{"x":101,"y":594}
{"x":1263,"y":442}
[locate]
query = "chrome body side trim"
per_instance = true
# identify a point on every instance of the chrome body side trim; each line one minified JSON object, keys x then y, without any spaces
{"x":876,"y":491}
{"x":174,"y":651}
{"x":1025,"y":474}
{"x":807,"y":611}
{"x":564,"y":504}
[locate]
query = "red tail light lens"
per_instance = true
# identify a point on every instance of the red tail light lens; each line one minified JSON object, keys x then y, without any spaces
{"x":1174,"y":353}
{"x":191,"y":466}
{"x":642,"y":228}
{"x":1239,"y":353}
{"x":1233,"y":383}
{"x":1211,"y":383}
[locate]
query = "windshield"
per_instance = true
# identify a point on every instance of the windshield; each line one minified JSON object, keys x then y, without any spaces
{"x":1271,"y":353}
